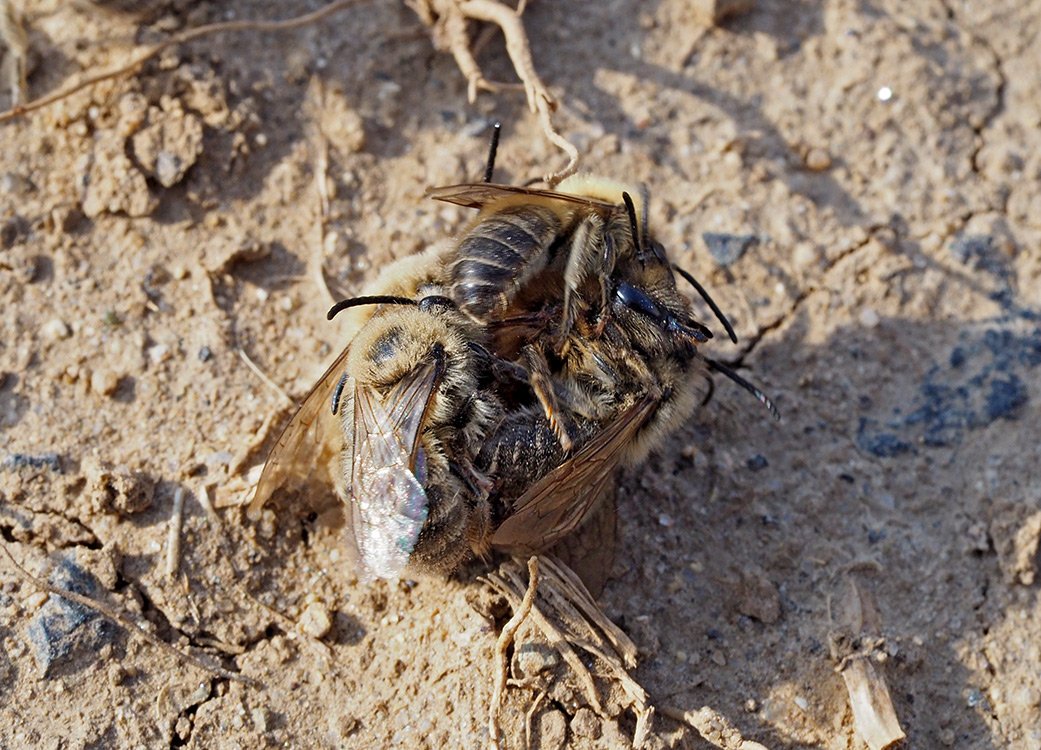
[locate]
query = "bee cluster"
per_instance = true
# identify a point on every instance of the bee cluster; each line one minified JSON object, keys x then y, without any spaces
{"x":497,"y":384}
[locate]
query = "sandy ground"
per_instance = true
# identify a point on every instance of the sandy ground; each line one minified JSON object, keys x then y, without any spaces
{"x":877,"y":168}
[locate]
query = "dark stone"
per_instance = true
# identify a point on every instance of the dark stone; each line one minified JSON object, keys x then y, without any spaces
{"x":757,"y":462}
{"x":727,"y":249}
{"x":881,"y":444}
{"x":62,"y":628}
{"x":50,"y":461}
{"x":1006,"y":398}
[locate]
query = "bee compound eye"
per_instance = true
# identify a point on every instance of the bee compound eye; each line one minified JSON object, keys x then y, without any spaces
{"x":435,"y":301}
{"x":638,"y":301}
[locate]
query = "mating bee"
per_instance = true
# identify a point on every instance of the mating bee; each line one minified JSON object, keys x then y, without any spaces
{"x":592,"y":312}
{"x":406,"y":407}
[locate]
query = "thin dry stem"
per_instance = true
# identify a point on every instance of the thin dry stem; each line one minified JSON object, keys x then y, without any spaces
{"x":263,"y":376}
{"x":121,"y":619}
{"x":505,"y":639}
{"x":173,"y":537}
{"x":181,"y":38}
{"x":320,"y":143}
{"x":528,"y":717}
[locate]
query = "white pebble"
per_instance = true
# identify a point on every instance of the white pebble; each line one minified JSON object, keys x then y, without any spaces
{"x":885,"y":94}
{"x":869,"y":318}
{"x":158,"y":353}
{"x":56,"y":329}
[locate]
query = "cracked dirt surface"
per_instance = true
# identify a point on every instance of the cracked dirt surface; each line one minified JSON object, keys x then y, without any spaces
{"x":884,"y":156}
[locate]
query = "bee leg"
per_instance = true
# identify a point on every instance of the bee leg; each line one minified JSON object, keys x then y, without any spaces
{"x":542,"y":384}
{"x":588,"y":255}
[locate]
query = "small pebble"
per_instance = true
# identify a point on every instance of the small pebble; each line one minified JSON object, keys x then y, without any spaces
{"x":532,"y":659}
{"x":885,"y":94}
{"x":586,"y":724}
{"x":802,"y":703}
{"x":817,"y":160}
{"x":805,"y":256}
{"x":56,"y":329}
{"x":869,"y":318}
{"x":104,"y":382}
{"x":315,"y":621}
{"x":259,"y":717}
{"x":34,"y":601}
{"x":158,"y":353}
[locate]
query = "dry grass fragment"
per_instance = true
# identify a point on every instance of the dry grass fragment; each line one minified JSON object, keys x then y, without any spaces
{"x":856,"y":644}
{"x":173,"y":539}
{"x":569,"y":618}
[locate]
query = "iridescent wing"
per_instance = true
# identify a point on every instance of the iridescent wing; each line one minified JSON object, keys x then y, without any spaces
{"x":480,"y":194}
{"x":561,"y":501}
{"x":312,"y":431}
{"x":387,"y":505}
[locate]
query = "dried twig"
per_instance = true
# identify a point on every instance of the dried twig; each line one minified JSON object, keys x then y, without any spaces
{"x":173,"y":538}
{"x":263,"y":376}
{"x":505,"y":639}
{"x":126,"y":622}
{"x":320,"y":144}
{"x":177,"y":39}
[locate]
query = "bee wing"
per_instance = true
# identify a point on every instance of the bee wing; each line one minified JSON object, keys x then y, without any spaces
{"x":590,"y":551}
{"x":306,"y":436}
{"x":387,"y":504}
{"x":480,"y":194}
{"x":558,"y":503}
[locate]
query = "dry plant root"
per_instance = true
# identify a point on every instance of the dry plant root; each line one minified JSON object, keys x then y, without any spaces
{"x":505,"y":639}
{"x":856,"y":646}
{"x":447,"y":20}
{"x":121,"y":619}
{"x":569,"y":618}
{"x":185,"y":36}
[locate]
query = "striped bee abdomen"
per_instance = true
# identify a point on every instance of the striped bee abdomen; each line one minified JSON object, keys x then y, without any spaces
{"x":499,"y":255}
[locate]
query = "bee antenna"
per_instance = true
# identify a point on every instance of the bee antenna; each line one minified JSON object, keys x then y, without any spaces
{"x":709,"y":301}
{"x":376,"y":299}
{"x":759,"y":395}
{"x":634,"y":227}
{"x":489,"y":167}
{"x":645,"y":196}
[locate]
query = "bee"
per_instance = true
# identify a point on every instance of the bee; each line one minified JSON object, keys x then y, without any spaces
{"x":398,"y":418}
{"x":588,"y":304}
